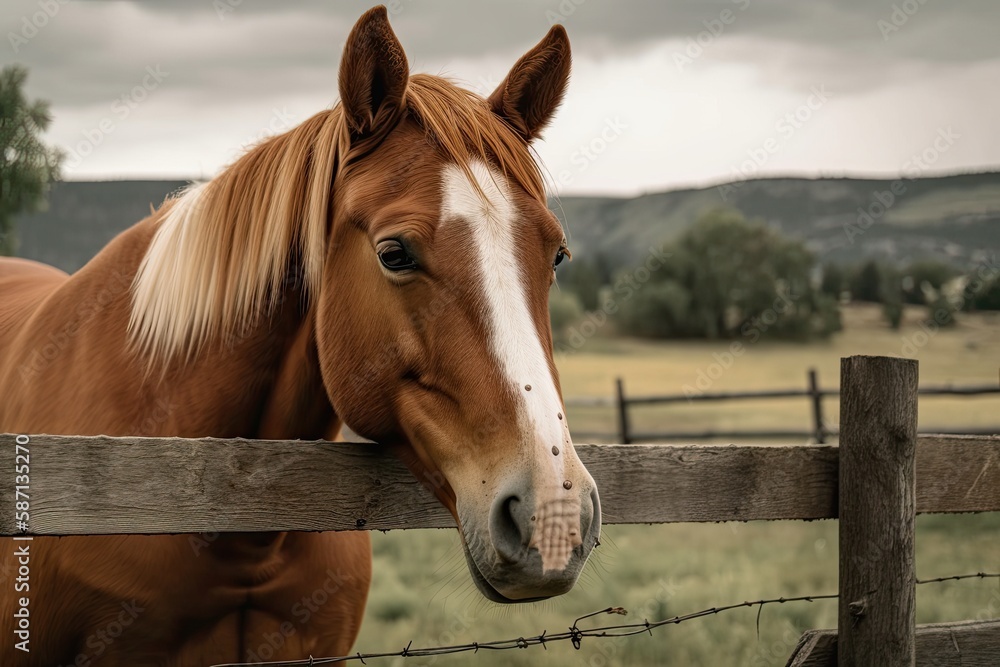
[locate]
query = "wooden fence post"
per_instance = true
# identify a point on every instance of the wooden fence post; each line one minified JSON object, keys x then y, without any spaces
{"x":817,"y":407}
{"x":622,"y":412}
{"x":877,"y":507}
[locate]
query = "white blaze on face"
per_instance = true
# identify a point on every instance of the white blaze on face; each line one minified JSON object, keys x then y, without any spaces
{"x":517,"y":347}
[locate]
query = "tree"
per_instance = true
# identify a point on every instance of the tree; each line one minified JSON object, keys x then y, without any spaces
{"x":660,"y":310}
{"x":941,"y":311}
{"x":729,"y":278}
{"x":866,"y":283}
{"x":986,"y":297}
{"x":585,"y":277}
{"x":582,"y":279}
{"x":923,"y":274}
{"x":564,"y":310}
{"x":890,"y":293}
{"x":834,"y":280}
{"x":27,"y":165}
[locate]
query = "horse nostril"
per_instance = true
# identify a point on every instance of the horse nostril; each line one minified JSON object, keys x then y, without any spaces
{"x":508,"y":530}
{"x":593,"y":527}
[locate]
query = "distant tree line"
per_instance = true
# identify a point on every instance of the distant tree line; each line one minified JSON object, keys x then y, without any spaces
{"x":725,"y":277}
{"x":730,"y":278}
{"x":940,"y":286}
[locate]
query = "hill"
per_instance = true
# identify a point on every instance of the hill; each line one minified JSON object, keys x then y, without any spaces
{"x":81,"y":217}
{"x":946,"y":217}
{"x":842,"y":220}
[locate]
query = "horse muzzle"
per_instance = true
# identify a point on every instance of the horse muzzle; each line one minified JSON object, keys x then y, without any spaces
{"x":536,"y":543}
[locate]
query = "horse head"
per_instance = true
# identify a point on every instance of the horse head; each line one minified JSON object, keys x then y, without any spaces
{"x":432,"y":322}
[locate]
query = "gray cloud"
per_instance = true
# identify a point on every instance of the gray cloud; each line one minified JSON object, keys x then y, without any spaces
{"x":958,"y":30}
{"x":231,"y":61}
{"x":227,"y":43}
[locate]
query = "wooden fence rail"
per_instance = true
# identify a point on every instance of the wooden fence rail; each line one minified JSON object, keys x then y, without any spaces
{"x":819,"y":432}
{"x":102,"y":485}
{"x":961,"y":644}
{"x":880,"y":477}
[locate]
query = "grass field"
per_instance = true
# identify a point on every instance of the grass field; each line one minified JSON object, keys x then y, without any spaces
{"x":966,"y":354}
{"x":421,"y":590}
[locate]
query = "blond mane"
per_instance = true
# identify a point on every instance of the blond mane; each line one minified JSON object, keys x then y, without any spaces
{"x":223,"y":250}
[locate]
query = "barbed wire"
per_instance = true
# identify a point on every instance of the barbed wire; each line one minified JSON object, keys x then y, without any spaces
{"x":575,"y":634}
{"x":958,"y":577}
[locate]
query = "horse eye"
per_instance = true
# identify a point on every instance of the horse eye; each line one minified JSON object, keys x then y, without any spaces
{"x":394,"y":257}
{"x":560,"y":256}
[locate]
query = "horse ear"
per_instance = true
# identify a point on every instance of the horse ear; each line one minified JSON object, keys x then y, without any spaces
{"x":373,"y":73}
{"x":535,"y":86}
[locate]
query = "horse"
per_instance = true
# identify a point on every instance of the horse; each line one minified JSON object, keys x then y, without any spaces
{"x":385,"y":265}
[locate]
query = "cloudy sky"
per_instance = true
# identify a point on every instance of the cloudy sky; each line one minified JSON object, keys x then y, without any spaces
{"x":665,"y":93}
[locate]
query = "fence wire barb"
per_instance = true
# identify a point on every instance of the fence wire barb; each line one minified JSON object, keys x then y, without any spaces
{"x":575,"y":634}
{"x":957,"y":577}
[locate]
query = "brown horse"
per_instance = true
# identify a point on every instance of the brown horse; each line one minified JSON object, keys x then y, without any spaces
{"x":384,"y":265}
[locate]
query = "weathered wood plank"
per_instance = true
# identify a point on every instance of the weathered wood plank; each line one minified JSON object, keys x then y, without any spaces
{"x":958,"y":473}
{"x":112,"y":485}
{"x":962,"y":644}
{"x":878,"y":506}
{"x":96,"y":485}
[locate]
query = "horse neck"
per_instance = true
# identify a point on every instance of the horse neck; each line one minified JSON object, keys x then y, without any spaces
{"x":297,"y":406}
{"x":262,"y":382}
{"x":286,"y":400}
{"x":275,"y":365}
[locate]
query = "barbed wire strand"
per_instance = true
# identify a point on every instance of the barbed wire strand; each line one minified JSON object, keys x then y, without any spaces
{"x":575,"y":634}
{"x":957,"y":577}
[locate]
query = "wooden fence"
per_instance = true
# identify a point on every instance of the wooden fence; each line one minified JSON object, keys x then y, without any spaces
{"x":812,"y":391}
{"x":881,"y":475}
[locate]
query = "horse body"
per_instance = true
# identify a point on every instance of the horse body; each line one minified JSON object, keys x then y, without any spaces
{"x":386,"y":264}
{"x":185,"y":600}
